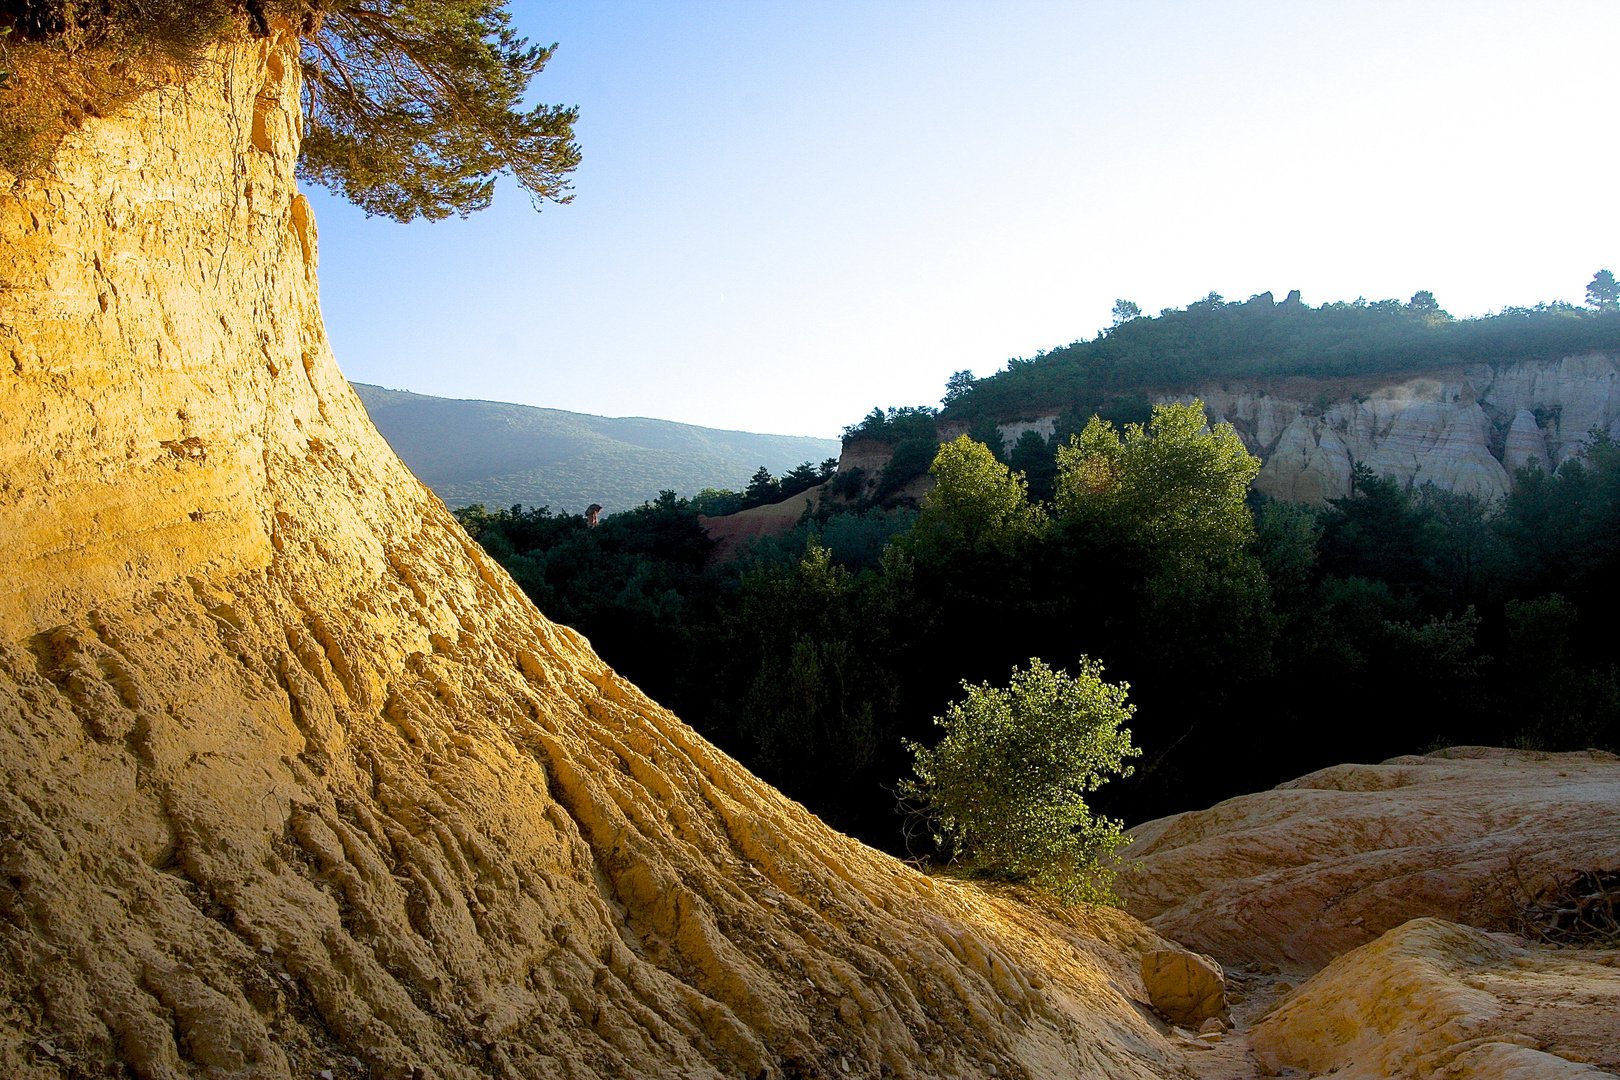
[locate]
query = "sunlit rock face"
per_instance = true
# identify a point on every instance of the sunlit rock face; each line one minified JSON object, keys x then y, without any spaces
{"x":297,"y":780}
{"x":1466,"y":430}
{"x":1435,"y":999}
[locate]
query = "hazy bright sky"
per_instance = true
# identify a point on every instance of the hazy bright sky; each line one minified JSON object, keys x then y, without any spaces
{"x":791,"y":212}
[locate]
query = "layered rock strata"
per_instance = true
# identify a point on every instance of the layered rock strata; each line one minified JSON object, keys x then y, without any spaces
{"x":1324,"y":864}
{"x":296,"y":779}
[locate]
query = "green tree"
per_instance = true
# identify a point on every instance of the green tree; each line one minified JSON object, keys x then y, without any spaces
{"x":801,"y":477}
{"x":1005,"y":789}
{"x":958,"y":386}
{"x":977,"y":504}
{"x":1125,"y":311}
{"x":807,"y":696}
{"x":411,"y":107}
{"x":1174,"y":486}
{"x":762,"y":487}
{"x":1603,"y":294}
{"x":1166,"y":504}
{"x":1033,"y":456}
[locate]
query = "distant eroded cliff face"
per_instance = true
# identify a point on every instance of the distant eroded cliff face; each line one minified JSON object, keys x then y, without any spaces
{"x":1465,"y":429}
{"x":295,"y":777}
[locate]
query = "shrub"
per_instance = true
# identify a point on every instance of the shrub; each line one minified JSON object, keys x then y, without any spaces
{"x":1005,"y":790}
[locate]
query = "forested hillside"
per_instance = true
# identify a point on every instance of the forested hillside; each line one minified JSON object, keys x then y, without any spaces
{"x":500,"y":454}
{"x":1260,"y":639}
{"x":1214,"y":339}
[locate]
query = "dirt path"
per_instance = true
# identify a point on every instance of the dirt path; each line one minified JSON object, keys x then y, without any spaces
{"x":1231,"y":1059}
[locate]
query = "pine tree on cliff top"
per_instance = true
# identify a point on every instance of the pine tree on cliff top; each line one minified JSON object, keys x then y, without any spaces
{"x":411,"y":107}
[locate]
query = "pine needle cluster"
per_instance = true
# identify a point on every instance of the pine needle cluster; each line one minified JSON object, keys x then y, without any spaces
{"x":412,"y":108}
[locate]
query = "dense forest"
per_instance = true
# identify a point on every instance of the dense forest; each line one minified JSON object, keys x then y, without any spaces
{"x":1259,"y":639}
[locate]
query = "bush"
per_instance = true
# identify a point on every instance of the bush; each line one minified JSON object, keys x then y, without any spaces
{"x":911,"y":459}
{"x":848,"y":484}
{"x":1005,"y":789}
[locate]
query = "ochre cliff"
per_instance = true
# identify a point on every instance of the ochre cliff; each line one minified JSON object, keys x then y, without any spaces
{"x":296,"y":779}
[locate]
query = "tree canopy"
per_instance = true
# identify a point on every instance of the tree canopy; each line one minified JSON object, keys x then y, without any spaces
{"x":412,"y":108}
{"x":1214,"y":339}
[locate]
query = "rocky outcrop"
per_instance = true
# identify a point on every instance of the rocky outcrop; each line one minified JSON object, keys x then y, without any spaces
{"x":1187,"y":988}
{"x":1464,"y":429}
{"x":298,"y":781}
{"x":1434,"y":999}
{"x":1324,"y":864}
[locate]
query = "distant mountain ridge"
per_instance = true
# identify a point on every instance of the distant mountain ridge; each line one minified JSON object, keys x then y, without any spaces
{"x":498,"y":453}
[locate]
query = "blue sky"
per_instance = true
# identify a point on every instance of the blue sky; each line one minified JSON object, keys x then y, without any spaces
{"x":791,"y":212}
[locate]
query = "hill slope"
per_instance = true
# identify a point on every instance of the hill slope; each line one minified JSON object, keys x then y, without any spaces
{"x":497,"y":453}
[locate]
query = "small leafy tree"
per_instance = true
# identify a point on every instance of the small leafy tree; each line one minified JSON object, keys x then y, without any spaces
{"x":1005,"y":790}
{"x":1125,"y":311}
{"x":977,"y":502}
{"x":1167,"y":501}
{"x":1175,"y":485}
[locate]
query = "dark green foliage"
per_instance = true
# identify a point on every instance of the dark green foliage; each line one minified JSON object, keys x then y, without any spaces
{"x":896,"y":425}
{"x":1257,"y":647}
{"x":1603,"y":293}
{"x":806,"y":658}
{"x":1036,"y":457}
{"x":763,"y":488}
{"x":634,"y":585}
{"x":799,"y":478}
{"x":849,"y":484}
{"x":411,"y":107}
{"x":1211,"y":339}
{"x":911,"y":459}
{"x":1555,"y":692}
{"x":711,"y":502}
{"x":957,"y":386}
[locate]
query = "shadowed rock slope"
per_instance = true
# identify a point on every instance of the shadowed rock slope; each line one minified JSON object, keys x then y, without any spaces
{"x":296,"y":779}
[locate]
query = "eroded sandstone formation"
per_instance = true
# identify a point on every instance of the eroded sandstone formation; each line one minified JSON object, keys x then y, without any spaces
{"x":1435,"y":999}
{"x":1464,"y":431}
{"x":296,"y":779}
{"x":1321,"y":865}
